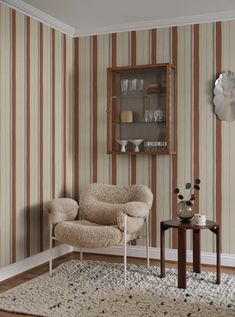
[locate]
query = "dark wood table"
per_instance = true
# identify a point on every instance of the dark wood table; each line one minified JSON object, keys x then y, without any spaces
{"x":182,"y":228}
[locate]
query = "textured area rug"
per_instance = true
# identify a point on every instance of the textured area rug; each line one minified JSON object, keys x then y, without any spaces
{"x":96,"y":289}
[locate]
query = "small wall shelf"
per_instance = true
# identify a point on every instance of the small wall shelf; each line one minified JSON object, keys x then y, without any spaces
{"x":147,"y":93}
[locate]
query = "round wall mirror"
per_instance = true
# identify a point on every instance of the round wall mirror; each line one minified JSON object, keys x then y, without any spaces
{"x":224,"y":99}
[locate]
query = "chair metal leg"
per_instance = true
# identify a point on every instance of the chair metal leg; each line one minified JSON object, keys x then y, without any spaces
{"x":51,"y":251}
{"x":81,"y":255}
{"x":125,"y":223}
{"x":147,"y":240}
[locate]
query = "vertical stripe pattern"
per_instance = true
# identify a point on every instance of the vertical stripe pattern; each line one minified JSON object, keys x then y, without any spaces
{"x":53,"y":93}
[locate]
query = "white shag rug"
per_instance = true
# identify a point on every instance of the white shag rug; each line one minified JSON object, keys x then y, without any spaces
{"x":90,"y":289}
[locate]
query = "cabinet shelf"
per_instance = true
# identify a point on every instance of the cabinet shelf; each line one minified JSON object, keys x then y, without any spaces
{"x":163,"y":122}
{"x":139,"y":95}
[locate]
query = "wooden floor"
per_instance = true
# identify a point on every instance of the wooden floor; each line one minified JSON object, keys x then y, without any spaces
{"x":24,"y":277}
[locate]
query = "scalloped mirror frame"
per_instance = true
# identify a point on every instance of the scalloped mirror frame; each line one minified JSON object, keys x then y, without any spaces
{"x":224,"y":99}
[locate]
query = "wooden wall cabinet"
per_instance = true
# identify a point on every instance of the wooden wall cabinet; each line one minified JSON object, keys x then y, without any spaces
{"x":146,"y":93}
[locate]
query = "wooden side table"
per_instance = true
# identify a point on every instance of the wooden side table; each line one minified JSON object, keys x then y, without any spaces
{"x":182,"y":228}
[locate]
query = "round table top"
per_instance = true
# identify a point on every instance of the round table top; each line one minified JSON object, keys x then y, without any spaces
{"x":176,"y":223}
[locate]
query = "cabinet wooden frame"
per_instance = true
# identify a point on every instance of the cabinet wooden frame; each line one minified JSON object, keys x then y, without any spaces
{"x":113,"y":75}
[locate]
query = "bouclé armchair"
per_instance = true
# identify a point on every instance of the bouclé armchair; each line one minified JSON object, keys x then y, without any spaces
{"x":110,"y":215}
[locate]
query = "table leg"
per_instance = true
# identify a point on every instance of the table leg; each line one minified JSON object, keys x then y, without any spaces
{"x":182,"y":258}
{"x":196,"y":251}
{"x":218,"y":251}
{"x":162,"y":250}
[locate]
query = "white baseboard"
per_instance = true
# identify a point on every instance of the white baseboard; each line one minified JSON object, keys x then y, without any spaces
{"x":132,"y":251}
{"x":32,"y":261}
{"x":171,"y":254}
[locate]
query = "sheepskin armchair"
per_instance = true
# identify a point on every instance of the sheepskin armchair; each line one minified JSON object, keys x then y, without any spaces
{"x":110,"y":215}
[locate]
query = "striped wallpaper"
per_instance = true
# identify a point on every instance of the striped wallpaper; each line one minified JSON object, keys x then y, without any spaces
{"x":53,"y":125}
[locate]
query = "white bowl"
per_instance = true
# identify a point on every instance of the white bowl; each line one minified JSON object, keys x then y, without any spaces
{"x":123,"y":144}
{"x":136,"y":143}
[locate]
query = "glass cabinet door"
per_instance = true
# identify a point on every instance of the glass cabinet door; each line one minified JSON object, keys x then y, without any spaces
{"x":141,"y":110}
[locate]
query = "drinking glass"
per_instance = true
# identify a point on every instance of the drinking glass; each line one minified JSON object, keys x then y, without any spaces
{"x":124,"y":86}
{"x":151,"y":115}
{"x":146,"y":116}
{"x":140,"y":85}
{"x":133,"y":85}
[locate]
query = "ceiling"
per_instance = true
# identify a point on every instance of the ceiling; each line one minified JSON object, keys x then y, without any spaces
{"x":86,"y":17}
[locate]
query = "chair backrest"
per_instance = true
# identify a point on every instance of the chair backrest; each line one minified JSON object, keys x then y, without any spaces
{"x":98,"y":196}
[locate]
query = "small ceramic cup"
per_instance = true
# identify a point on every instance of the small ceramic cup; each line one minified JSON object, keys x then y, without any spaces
{"x":200,"y":219}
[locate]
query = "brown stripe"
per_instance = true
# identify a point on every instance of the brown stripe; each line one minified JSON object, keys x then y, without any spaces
{"x":174,"y":157}
{"x":28,"y":136}
{"x":133,"y":63}
{"x":153,"y":157}
{"x":114,"y":63}
{"x":13,"y":134}
{"x":65,"y":116}
{"x":218,"y":129}
{"x":53,"y":114}
{"x":154,"y":46}
{"x":94,"y":108}
{"x":41,"y":137}
{"x":196,"y":110}
{"x":76,"y":118}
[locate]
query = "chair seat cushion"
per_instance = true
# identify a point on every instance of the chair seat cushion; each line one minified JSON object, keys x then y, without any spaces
{"x":87,"y":234}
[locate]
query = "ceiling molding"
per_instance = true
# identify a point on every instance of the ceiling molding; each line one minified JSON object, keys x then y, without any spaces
{"x":135,"y":26}
{"x":158,"y":23}
{"x":39,"y":16}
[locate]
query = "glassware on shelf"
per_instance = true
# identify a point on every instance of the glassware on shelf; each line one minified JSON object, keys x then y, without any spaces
{"x":136,"y":144}
{"x":133,"y":85}
{"x":124,"y":86}
{"x":123,"y":144}
{"x":140,"y":85}
{"x":154,"y":146}
{"x":158,"y":115}
{"x":146,"y":116}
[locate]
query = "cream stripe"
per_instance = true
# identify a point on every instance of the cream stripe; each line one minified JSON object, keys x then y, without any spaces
{"x":163,"y":162}
{"x":103,"y":63}
{"x":123,"y":168}
{"x":228,"y":150}
{"x":184,"y":111}
{"x":34,"y":135}
{"x":58,"y":114}
{"x":20,"y":138}
{"x":142,"y":161}
{"x":46,"y":127}
{"x":5,"y":126}
{"x":205,"y":128}
{"x":84,"y":112}
{"x":70,"y":117}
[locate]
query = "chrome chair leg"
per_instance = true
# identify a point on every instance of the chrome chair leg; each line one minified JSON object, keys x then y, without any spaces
{"x":147,"y":240}
{"x":50,"y":251}
{"x":125,"y":231}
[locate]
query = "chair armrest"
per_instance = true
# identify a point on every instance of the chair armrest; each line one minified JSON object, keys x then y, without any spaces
{"x":136,"y":209}
{"x":61,"y":209}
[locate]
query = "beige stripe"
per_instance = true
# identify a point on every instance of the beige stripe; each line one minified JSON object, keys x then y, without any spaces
{"x":58,"y":114}
{"x":5,"y":132}
{"x":228,"y":149}
{"x":206,"y":118}
{"x":122,"y":60}
{"x":103,"y":64}
{"x":70,"y":117}
{"x":20,"y":138}
{"x":46,"y":127}
{"x":34,"y":135}
{"x":84,"y":112}
{"x":184,"y":112}
{"x":143,"y":161}
{"x":163,"y":171}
